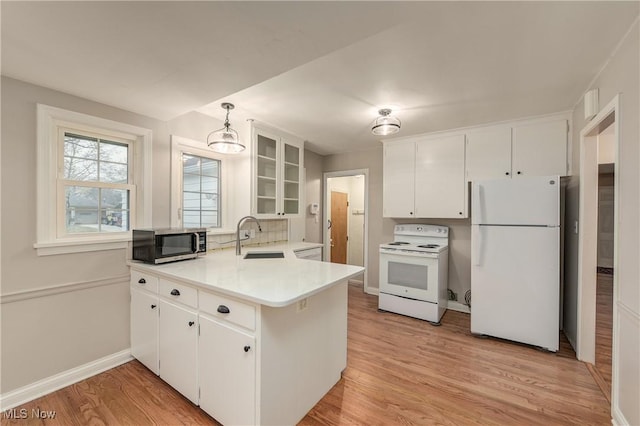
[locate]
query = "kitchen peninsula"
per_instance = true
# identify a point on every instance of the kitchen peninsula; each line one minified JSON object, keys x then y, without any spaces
{"x":251,"y":341}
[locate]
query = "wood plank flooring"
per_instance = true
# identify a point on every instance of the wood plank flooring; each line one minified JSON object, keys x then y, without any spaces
{"x":401,"y":371}
{"x":604,"y":331}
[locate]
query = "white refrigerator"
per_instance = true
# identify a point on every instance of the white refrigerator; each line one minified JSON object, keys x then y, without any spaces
{"x":515,"y":258}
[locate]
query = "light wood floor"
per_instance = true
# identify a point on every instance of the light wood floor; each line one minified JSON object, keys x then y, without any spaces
{"x":401,"y":371}
{"x":604,"y":330}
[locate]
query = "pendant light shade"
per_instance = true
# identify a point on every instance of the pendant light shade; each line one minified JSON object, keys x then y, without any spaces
{"x":386,"y":124}
{"x":225,"y":140}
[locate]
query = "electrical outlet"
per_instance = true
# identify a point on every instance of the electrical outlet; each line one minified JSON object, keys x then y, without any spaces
{"x":302,"y":305}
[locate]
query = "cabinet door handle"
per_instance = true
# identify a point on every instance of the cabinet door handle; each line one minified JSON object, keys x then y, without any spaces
{"x":460,"y":213}
{"x":411,"y":213}
{"x":507,"y":173}
{"x":153,"y":306}
{"x":191,"y":323}
{"x":142,"y":281}
{"x":246,"y":348}
{"x":223,"y":309}
{"x":519,"y":172}
{"x":175,"y":292}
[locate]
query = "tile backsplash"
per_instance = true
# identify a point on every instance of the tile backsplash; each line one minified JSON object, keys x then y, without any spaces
{"x":273,"y":230}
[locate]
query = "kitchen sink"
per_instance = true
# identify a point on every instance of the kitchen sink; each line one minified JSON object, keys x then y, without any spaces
{"x":264,"y":255}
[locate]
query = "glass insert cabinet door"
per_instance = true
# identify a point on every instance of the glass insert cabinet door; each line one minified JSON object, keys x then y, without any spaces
{"x":266,"y":175}
{"x":291,"y":199}
{"x":277,"y":181}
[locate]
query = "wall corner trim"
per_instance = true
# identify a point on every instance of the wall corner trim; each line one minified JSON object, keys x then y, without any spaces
{"x":50,"y":384}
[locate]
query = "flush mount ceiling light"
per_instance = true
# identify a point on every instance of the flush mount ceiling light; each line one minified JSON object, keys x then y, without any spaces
{"x":225,"y":140}
{"x":385,"y":124}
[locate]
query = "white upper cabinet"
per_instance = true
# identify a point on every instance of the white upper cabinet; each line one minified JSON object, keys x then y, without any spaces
{"x":540,"y":149}
{"x":440,"y":188}
{"x":488,"y":153}
{"x":399,"y":179}
{"x":424,"y":178}
{"x":277,"y":175}
{"x":534,"y":148}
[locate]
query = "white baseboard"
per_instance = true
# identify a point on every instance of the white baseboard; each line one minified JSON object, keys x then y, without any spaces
{"x":457,"y":306}
{"x":617,"y":418}
{"x":372,"y":291}
{"x":58,"y":381}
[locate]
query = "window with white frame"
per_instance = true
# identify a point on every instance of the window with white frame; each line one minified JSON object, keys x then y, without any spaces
{"x":200,"y":191}
{"x":198,"y":186}
{"x":96,"y":185}
{"x":91,"y":178}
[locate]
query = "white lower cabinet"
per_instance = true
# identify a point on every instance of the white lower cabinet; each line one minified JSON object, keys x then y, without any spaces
{"x":244,"y":363}
{"x":144,"y":328}
{"x":178,"y":343}
{"x":227,"y":364}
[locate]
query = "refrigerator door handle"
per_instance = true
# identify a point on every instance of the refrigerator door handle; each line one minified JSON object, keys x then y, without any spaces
{"x":476,"y":238}
{"x":481,"y":204}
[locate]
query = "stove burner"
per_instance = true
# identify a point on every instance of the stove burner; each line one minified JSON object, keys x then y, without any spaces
{"x":398,"y":243}
{"x":429,"y":246}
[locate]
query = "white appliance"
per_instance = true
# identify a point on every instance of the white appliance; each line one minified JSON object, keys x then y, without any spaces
{"x":515,"y":260}
{"x":413,"y":272}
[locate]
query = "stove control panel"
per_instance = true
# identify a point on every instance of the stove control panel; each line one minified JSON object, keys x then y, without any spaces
{"x":421,"y":230}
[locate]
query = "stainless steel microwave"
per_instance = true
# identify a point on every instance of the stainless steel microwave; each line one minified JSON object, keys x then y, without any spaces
{"x":168,"y":244}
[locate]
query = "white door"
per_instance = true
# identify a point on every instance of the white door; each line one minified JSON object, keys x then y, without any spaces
{"x":440,"y":186}
{"x":540,"y":149}
{"x":178,"y":349}
{"x":524,"y":201}
{"x":144,"y":328}
{"x":488,"y":153}
{"x":515,"y":290}
{"x":227,"y":373}
{"x":399,"y":179}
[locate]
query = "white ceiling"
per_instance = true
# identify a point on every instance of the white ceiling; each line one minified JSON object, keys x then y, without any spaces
{"x":319,"y":70}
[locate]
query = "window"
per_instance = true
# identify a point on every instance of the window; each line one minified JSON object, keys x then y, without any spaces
{"x":91,"y":176}
{"x":95,"y":185}
{"x":200,"y":192}
{"x":199,"y":186}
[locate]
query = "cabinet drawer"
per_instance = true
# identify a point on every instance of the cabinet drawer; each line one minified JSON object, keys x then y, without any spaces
{"x":179,"y":293}
{"x":144,"y":281}
{"x":238,"y":313}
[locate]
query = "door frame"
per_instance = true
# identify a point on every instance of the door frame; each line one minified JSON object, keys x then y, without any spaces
{"x":327,"y":247}
{"x":588,"y":238}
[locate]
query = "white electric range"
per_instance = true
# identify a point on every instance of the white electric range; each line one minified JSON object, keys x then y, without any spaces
{"x":414,"y":271}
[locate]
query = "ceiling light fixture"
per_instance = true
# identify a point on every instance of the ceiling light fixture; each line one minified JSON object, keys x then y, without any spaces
{"x":225,"y":140}
{"x":386,"y":124}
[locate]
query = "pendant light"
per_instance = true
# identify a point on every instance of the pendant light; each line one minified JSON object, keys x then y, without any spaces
{"x":225,"y":140}
{"x":386,"y":124}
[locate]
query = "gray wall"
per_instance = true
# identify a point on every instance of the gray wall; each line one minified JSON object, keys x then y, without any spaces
{"x":314,"y":182}
{"x":46,"y":335}
{"x":620,"y":76}
{"x":381,"y":229}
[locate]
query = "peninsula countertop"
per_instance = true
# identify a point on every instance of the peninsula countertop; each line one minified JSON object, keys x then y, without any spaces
{"x":270,"y":282}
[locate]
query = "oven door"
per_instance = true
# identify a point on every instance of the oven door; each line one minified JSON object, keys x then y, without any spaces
{"x":412,"y":275}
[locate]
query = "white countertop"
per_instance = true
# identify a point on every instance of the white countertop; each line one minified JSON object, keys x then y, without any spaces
{"x":270,"y":282}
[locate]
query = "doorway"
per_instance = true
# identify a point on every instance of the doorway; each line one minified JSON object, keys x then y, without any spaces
{"x":597,"y":236}
{"x":346,"y":221}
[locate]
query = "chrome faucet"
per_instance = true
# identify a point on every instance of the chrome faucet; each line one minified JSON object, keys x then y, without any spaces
{"x":240,"y":223}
